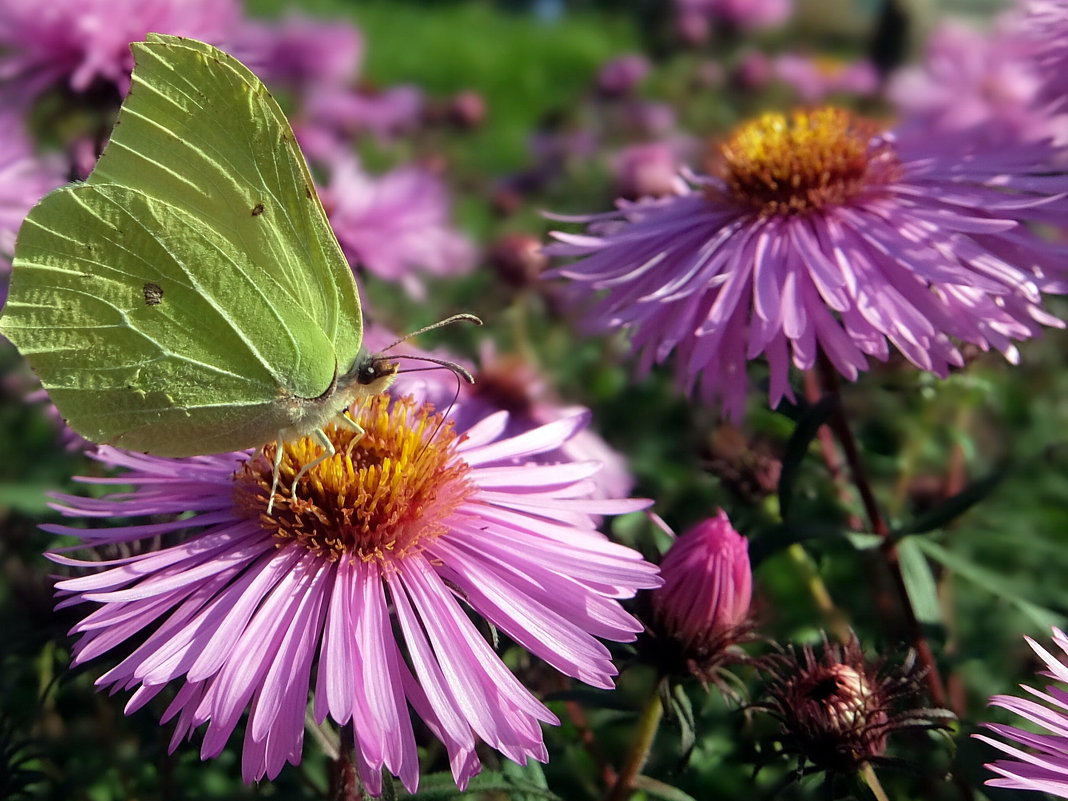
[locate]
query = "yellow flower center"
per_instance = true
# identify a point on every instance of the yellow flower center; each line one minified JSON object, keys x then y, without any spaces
{"x":381,"y":496}
{"x":781,"y":165}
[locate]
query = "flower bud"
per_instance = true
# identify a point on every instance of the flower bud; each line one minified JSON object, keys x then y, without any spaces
{"x":702,"y":608}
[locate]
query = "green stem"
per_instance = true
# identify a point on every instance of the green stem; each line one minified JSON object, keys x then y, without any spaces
{"x":648,"y":723}
{"x":834,"y":617}
{"x":867,"y":773}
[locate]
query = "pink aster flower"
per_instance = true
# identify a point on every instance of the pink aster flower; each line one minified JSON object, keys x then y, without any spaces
{"x":816,"y":234}
{"x":1041,"y":760}
{"x":75,"y":44}
{"x":396,"y":226}
{"x":359,"y":584}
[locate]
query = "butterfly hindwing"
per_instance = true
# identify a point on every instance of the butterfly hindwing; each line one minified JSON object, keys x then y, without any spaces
{"x":138,"y":320}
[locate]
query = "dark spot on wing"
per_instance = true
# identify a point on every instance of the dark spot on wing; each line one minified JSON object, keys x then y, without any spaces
{"x":257,"y":210}
{"x":308,"y":191}
{"x":153,"y":294}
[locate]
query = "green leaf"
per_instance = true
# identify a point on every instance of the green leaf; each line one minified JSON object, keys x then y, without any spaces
{"x":524,"y":785}
{"x":682,"y":711}
{"x":919,"y":582}
{"x":994,"y":583}
{"x":953,"y":507}
{"x":658,"y":789}
{"x":804,"y":432}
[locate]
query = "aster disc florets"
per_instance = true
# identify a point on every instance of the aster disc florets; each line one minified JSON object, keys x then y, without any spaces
{"x":809,"y":160}
{"x":382,"y":495}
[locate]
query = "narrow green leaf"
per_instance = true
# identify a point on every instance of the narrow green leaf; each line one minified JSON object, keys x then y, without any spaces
{"x":441,"y":786}
{"x":919,"y":582}
{"x":657,"y":789}
{"x":994,"y":583}
{"x":954,"y":506}
{"x":797,"y":446}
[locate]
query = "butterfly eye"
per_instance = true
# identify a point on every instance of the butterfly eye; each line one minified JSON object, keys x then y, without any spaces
{"x":374,"y":368}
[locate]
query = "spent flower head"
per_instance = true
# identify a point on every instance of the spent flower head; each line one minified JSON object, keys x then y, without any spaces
{"x":816,"y":234}
{"x":836,"y":709}
{"x":358,"y":583}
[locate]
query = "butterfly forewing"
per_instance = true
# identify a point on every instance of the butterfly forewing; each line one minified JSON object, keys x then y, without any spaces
{"x":191,"y":288}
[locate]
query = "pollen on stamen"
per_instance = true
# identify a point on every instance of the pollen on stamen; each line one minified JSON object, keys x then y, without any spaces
{"x":809,"y":160}
{"x":381,"y":496}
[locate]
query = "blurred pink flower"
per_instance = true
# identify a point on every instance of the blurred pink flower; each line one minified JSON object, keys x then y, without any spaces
{"x":507,"y":383}
{"x":622,"y":74}
{"x":703,"y":604}
{"x":76,"y":44}
{"x":1044,"y":24}
{"x":385,"y":113}
{"x":299,"y":52}
{"x":817,"y":234}
{"x":25,"y":178}
{"x":396,"y":226}
{"x":360,"y":582}
{"x":986,"y":83}
{"x":1044,"y":765}
{"x":695,"y":18}
{"x":650,"y":169}
{"x":814,"y":78}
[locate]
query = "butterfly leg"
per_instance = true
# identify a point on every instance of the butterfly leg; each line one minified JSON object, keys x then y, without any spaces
{"x":328,"y":451}
{"x":278,"y":449}
{"x":355,"y":427}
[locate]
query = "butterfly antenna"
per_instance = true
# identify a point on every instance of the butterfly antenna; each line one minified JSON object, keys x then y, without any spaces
{"x":456,"y":318}
{"x":458,"y":369}
{"x":444,"y":416}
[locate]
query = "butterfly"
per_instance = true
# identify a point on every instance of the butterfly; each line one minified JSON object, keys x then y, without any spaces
{"x":190,"y":297}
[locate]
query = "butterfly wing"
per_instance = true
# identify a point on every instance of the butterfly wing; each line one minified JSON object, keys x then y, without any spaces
{"x":191,"y":291}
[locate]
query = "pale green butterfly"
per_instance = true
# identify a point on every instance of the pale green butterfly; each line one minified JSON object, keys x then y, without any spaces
{"x":190,"y":296}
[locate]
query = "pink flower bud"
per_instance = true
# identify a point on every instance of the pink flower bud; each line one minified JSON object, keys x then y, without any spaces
{"x":704,"y":601}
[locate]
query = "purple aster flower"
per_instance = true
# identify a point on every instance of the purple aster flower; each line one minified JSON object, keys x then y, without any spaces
{"x":300,"y":52}
{"x":1041,"y":761}
{"x":396,"y":226}
{"x":357,"y":583}
{"x":76,"y":44}
{"x":816,"y":234}
{"x":1045,"y":26}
